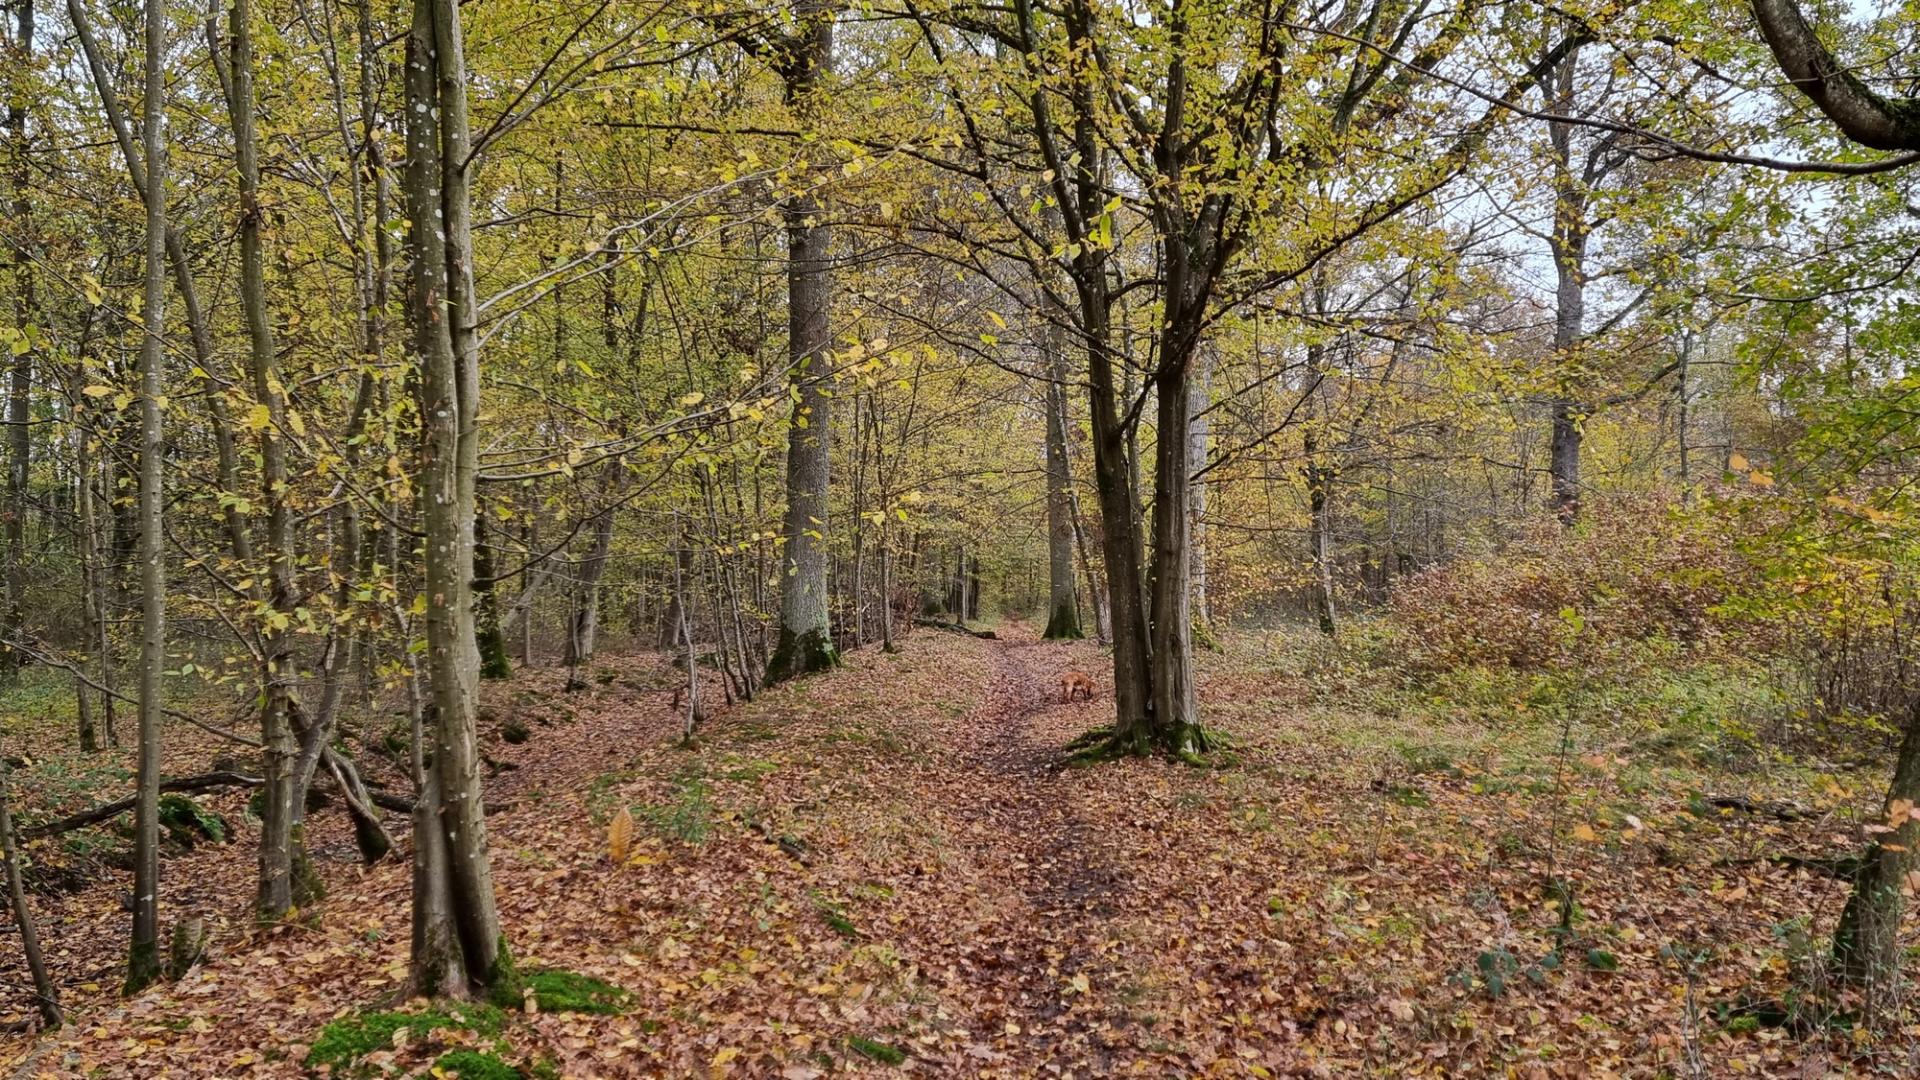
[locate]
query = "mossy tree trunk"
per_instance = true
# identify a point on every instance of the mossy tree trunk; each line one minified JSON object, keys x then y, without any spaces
{"x":488,"y":636}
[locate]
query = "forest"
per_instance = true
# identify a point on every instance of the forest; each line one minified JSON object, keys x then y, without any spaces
{"x":1001,"y":538}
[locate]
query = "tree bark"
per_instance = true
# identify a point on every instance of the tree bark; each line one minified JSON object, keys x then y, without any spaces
{"x":46,"y":996}
{"x":1320,"y":529}
{"x":143,"y":953}
{"x":1063,"y":596}
{"x":584,"y":626}
{"x":1568,"y":241}
{"x":1866,"y":943}
{"x":274,"y":895}
{"x":20,"y":392}
{"x":1199,"y":431}
{"x":1861,"y":113}
{"x":805,"y":642}
{"x":458,"y":947}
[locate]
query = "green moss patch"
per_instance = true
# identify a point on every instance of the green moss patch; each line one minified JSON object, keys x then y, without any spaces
{"x":474,"y":1065}
{"x":350,"y":1038}
{"x":874,"y":1050}
{"x":557,"y":990}
{"x":188,"y":823}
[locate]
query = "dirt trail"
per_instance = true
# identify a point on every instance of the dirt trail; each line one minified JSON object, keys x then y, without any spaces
{"x":1018,"y":810}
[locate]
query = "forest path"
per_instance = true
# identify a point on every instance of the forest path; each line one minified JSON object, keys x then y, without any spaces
{"x":1057,"y":878}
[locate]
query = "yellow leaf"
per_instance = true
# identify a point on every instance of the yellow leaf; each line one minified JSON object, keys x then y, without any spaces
{"x":1585,"y":834}
{"x":1737,"y":463}
{"x":620,"y":836}
{"x":96,"y":390}
{"x":726,"y":1054}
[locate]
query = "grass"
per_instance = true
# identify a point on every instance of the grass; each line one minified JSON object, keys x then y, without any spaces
{"x":688,"y":815}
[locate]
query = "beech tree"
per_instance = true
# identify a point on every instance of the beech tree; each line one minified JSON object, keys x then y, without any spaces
{"x":458,"y":946}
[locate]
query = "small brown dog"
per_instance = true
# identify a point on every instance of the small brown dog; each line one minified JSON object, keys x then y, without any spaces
{"x":1075,"y":681}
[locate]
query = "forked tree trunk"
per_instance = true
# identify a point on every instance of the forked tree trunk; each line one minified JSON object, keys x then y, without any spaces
{"x":458,"y":947}
{"x":805,"y":641}
{"x":143,"y":952}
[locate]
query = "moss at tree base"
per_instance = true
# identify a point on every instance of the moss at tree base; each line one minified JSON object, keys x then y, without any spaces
{"x":1064,"y":624}
{"x":143,"y":967}
{"x":1185,"y":742}
{"x":801,"y":654}
{"x":494,"y":663}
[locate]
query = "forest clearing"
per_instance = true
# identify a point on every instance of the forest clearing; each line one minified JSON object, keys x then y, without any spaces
{"x":578,"y":538}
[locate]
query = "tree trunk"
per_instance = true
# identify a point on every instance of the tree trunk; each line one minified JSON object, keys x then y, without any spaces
{"x":1176,"y":724}
{"x":1866,"y":943}
{"x":1199,"y":430}
{"x":1320,"y":533}
{"x":584,"y":627}
{"x":92,"y":612}
{"x":673,"y":625}
{"x":1120,"y":544}
{"x":688,"y":661}
{"x":458,"y":947}
{"x":274,"y":896}
{"x":805,"y":641}
{"x":972,"y":569}
{"x":1568,"y":241}
{"x":143,"y":953}
{"x":45,"y":995}
{"x":19,"y":395}
{"x":488,"y":637}
{"x":1063,"y":596}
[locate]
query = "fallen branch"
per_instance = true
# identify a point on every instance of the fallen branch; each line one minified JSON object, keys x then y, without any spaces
{"x":1837,"y":867}
{"x":1779,"y":811}
{"x":956,"y":628}
{"x":108,"y":811}
{"x":399,"y":804}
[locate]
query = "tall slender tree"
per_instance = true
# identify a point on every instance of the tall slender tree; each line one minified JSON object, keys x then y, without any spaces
{"x":803,"y":57}
{"x":143,"y":956}
{"x":458,"y":947}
